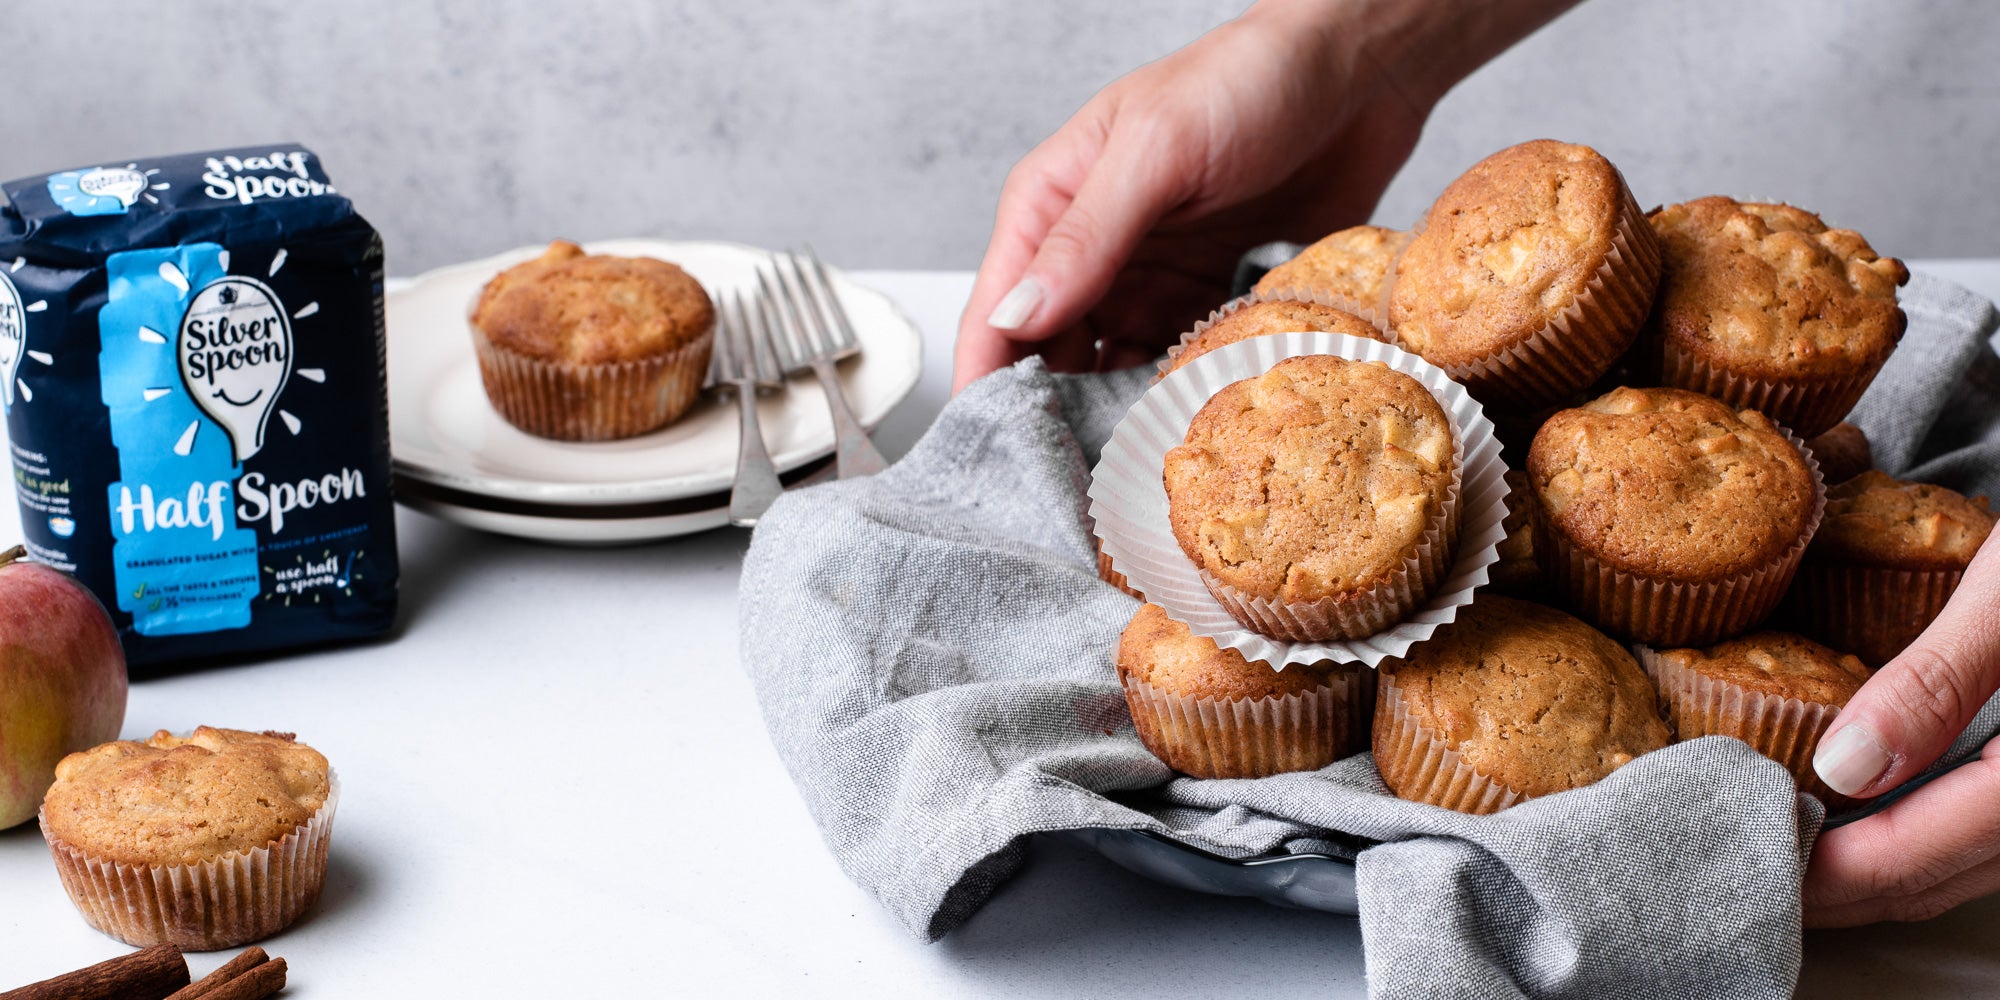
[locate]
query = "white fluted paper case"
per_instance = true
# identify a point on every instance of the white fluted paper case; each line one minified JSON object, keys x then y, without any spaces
{"x":224,"y":902}
{"x":1253,"y":737}
{"x":1417,"y":764}
{"x":1128,"y":501}
{"x":1786,"y":730}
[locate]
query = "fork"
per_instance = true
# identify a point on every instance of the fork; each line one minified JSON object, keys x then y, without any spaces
{"x":818,"y":335}
{"x":745,"y":359}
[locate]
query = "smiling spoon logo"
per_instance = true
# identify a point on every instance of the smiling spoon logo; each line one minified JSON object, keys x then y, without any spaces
{"x":236,"y":356}
{"x":13,"y":337}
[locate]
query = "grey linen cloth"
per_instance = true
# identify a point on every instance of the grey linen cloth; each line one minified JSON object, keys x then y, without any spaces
{"x":933,"y":653}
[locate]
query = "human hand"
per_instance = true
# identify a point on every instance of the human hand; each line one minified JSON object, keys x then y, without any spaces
{"x":1940,"y":845}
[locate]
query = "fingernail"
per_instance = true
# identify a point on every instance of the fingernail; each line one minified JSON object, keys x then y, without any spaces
{"x":1850,"y":759}
{"x":1016,"y":306}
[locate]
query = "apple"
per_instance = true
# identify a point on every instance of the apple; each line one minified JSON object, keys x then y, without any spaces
{"x":62,"y":679}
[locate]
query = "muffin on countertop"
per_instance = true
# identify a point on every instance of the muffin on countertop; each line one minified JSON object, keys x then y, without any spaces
{"x":1765,"y":307}
{"x":1352,"y":264}
{"x":1530,"y":700}
{"x":1301,"y":718}
{"x":1305,"y":494}
{"x":205,"y":842}
{"x":1702,"y":511}
{"x":1775,"y":691}
{"x":589,"y":348}
{"x":1267,"y":316}
{"x":1887,"y":557}
{"x":1531,"y":275}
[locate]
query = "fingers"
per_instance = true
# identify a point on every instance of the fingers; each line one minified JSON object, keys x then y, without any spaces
{"x":1912,"y":709}
{"x":1941,"y":845}
{"x":1030,"y":202}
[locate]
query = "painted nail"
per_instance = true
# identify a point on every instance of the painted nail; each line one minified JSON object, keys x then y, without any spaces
{"x":1850,"y":759}
{"x":1016,"y":306}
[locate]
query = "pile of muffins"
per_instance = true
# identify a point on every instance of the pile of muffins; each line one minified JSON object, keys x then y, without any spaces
{"x":1671,"y":385}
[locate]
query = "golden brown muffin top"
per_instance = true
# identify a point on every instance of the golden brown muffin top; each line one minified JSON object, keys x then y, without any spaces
{"x":567,"y":306}
{"x":1671,"y":483}
{"x":1530,"y":697}
{"x":1274,"y":316}
{"x":1351,"y":264}
{"x":1842,"y":453}
{"x":1162,"y":652}
{"x":1312,"y":480}
{"x":173,"y":801}
{"x":1771,"y":292}
{"x":1777,"y":663}
{"x":1505,"y":249}
{"x":1877,"y":520}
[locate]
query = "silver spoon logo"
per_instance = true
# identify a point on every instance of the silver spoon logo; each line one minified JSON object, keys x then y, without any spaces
{"x":13,"y":337}
{"x":235,"y":356}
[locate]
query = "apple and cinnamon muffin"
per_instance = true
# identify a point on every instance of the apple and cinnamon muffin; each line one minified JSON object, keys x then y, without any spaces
{"x":1208,"y":712}
{"x":1765,"y":307}
{"x":204,"y":842}
{"x":1351,"y":265}
{"x":1775,"y":691}
{"x":1320,"y":499}
{"x":1510,"y":701}
{"x":1665,"y":516}
{"x":1253,"y":317}
{"x":579,"y":347}
{"x":1885,"y":561}
{"x":1531,"y":275}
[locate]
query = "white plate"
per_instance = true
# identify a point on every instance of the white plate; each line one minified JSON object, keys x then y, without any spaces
{"x":444,"y":434}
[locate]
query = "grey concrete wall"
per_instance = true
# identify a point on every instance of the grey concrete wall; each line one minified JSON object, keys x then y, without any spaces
{"x":880,"y":129}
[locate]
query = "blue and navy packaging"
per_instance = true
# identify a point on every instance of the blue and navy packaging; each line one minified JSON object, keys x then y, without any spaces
{"x":192,"y":368}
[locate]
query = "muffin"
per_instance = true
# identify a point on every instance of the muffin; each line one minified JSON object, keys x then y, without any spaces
{"x":1319,"y":500}
{"x":1351,"y":265}
{"x":206,"y":842}
{"x":1208,"y":712}
{"x":1665,"y":516}
{"x":1509,"y":701}
{"x":1842,"y":453}
{"x":1109,"y":573}
{"x":1775,"y":691}
{"x":583,"y":348}
{"x":1765,"y":308}
{"x":1885,"y":561}
{"x":1253,"y":317}
{"x":1531,"y":275}
{"x":1516,"y":572}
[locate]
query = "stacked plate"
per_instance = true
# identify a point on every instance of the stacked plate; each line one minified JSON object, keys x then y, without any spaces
{"x":455,"y":457}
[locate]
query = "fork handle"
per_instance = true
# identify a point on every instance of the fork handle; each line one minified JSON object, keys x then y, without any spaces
{"x":756,"y":478}
{"x":854,"y":454}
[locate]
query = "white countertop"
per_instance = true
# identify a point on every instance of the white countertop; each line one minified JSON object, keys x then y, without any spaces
{"x":535,"y":766}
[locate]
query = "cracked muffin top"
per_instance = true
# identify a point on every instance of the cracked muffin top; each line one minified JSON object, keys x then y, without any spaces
{"x":1531,"y":697}
{"x":172,"y":801}
{"x":1777,"y":663}
{"x":1506,"y":249}
{"x":1772,"y":292}
{"x":1877,"y":520}
{"x":570,"y":307}
{"x":1162,"y":652}
{"x":1273,"y":316}
{"x":1671,"y":483}
{"x":1313,"y":480}
{"x":1351,"y":264}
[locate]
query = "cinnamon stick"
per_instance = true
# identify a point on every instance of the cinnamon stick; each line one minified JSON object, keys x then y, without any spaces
{"x":260,"y":982}
{"x":150,"y":974}
{"x":248,"y":959}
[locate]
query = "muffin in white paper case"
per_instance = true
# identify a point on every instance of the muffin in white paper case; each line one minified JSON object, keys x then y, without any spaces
{"x":1128,"y":501}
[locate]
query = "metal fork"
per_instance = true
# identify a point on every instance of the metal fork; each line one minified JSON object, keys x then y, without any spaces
{"x":819,"y":333}
{"x":745,"y":360}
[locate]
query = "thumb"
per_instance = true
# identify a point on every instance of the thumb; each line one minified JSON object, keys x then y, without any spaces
{"x":1127,"y":191}
{"x":1917,"y":704}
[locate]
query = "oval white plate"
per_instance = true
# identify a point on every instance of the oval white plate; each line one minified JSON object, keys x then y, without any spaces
{"x":444,"y":433}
